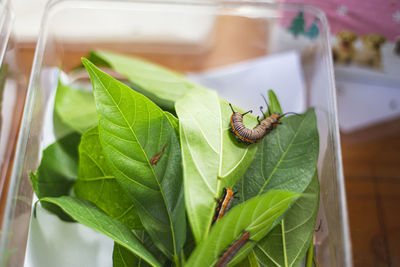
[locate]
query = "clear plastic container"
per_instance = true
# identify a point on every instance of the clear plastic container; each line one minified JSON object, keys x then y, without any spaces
{"x":186,"y":36}
{"x":13,"y":88}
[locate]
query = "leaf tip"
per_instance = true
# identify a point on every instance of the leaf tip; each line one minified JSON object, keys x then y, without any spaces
{"x":86,"y":62}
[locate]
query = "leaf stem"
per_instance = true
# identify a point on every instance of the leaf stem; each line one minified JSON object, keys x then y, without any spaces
{"x":310,"y":254}
{"x":176,"y":260}
{"x":284,"y":242}
{"x":315,"y":261}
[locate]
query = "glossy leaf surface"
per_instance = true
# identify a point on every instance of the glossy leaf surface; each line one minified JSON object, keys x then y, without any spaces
{"x":212,"y":157}
{"x":160,"y":84}
{"x":286,"y":158}
{"x":57,"y":172}
{"x":75,"y":107}
{"x":287,"y":243}
{"x":255,"y":216}
{"x":97,"y":184}
{"x":132,"y":130}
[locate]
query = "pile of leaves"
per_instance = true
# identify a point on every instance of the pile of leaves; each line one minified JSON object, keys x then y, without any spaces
{"x":144,"y":162}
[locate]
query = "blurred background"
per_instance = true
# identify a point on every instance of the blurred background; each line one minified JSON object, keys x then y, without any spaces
{"x":366,"y":50}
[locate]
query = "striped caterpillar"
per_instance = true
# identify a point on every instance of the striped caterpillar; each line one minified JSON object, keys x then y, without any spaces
{"x":255,"y":135}
{"x":224,"y":203}
{"x":233,"y":249}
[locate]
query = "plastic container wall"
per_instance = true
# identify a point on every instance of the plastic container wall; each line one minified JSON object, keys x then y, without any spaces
{"x":13,"y":87}
{"x":185,"y":36}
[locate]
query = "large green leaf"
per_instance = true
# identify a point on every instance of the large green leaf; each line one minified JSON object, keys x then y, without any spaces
{"x":57,"y":172}
{"x":132,"y":130}
{"x":255,"y":216}
{"x":286,"y":158}
{"x":91,"y":216}
{"x":212,"y":157}
{"x":287,"y":244}
{"x":97,"y":184}
{"x":161,"y":85}
{"x":75,"y":107}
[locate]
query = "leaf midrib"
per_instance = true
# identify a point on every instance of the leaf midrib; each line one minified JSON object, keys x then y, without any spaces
{"x":266,"y":254}
{"x":197,"y":167}
{"x":147,"y":160}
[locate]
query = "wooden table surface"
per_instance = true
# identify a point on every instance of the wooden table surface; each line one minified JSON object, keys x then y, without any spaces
{"x":371,"y":160}
{"x":372,"y":172}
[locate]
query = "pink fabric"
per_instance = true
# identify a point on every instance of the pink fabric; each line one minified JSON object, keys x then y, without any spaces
{"x":361,"y":16}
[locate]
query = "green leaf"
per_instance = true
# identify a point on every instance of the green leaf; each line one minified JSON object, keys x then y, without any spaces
{"x":249,"y":261}
{"x":97,"y":184}
{"x":255,"y":216}
{"x":121,"y":254}
{"x":146,"y":240}
{"x":75,"y":108}
{"x":57,"y":172}
{"x":173,"y":121}
{"x":273,"y":102}
{"x":160,"y":84}
{"x":91,"y":216}
{"x":287,"y":243}
{"x":133,"y":130}
{"x":286,"y":158}
{"x":123,"y":257}
{"x":212,"y":157}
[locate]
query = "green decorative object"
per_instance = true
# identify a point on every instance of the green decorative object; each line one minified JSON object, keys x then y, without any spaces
{"x":313,"y":30}
{"x":297,"y":26}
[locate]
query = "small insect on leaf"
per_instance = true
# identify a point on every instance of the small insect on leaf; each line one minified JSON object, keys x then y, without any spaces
{"x":224,"y":203}
{"x":264,"y":127}
{"x":153,"y":160}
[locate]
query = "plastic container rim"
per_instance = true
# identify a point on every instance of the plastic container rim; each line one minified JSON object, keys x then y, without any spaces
{"x":38,"y":59}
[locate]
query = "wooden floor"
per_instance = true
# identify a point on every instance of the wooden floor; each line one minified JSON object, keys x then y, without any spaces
{"x":371,"y":160}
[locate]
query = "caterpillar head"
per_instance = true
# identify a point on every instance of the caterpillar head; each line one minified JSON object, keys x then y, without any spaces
{"x":276,"y":115}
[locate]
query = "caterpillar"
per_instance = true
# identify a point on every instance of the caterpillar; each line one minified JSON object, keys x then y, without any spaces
{"x":255,"y":135}
{"x":224,"y":203}
{"x":233,"y":249}
{"x":153,"y":160}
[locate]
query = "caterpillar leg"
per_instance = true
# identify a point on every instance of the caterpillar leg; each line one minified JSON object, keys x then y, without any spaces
{"x":262,"y":112}
{"x":250,"y":111}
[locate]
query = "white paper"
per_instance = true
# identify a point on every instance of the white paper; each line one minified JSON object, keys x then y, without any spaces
{"x":243,"y":83}
{"x":361,"y":105}
{"x":53,"y":242}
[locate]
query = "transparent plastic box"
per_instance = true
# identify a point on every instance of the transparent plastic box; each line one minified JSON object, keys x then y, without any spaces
{"x":187,"y":36}
{"x":13,"y":87}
